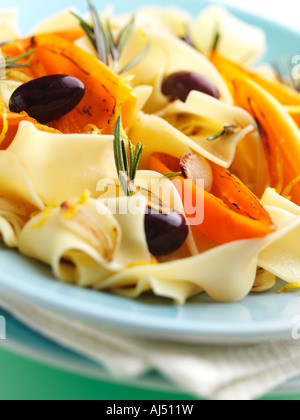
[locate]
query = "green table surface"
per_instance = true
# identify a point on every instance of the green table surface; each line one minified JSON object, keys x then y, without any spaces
{"x":24,"y":379}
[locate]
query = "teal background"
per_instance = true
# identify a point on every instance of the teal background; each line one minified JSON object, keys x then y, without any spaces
{"x":21,"y":378}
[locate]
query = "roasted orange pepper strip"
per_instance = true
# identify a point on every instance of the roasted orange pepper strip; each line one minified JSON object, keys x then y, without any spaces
{"x":230,"y":71}
{"x":71,"y":35}
{"x":281,"y":135}
{"x":107,"y":95}
{"x":231,"y":211}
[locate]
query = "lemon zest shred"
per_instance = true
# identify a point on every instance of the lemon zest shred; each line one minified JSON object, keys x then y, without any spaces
{"x":45,"y":212}
{"x":73,"y":208}
{"x":92,"y":128}
{"x":47,"y":129}
{"x":290,"y":186}
{"x":289,"y":286}
{"x":141,"y":263}
{"x":84,"y":197}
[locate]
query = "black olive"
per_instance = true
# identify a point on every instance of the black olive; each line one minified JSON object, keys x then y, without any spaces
{"x":165,"y":232}
{"x":48,"y":98}
{"x":179,"y":85}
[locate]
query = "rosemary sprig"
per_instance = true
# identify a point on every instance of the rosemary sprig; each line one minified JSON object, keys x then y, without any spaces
{"x":227,"y":130}
{"x":11,"y":63}
{"x":7,"y":63}
{"x":102,"y":38}
{"x":126,"y":169}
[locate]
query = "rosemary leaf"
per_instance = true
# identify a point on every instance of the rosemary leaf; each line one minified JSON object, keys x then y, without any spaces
{"x":117,"y":137}
{"x":136,"y":60}
{"x":125,"y":35}
{"x":82,"y":22}
{"x":100,"y":36}
{"x":137,"y":151}
{"x":228,"y":129}
{"x":11,"y":63}
{"x":119,"y":157}
{"x":172,"y":175}
{"x":131,"y":160}
{"x":216,"y":41}
{"x":137,"y":158}
{"x":118,"y":131}
{"x":113,"y":48}
{"x":7,"y":73}
{"x":127,"y":185}
{"x":89,"y":31}
{"x":20,"y":57}
{"x":90,"y":34}
{"x":124,"y":156}
{"x":126,"y":169}
{"x":216,"y":136}
{"x":15,"y":65}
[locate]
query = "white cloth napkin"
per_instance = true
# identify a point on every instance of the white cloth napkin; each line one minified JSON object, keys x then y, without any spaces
{"x":218,"y":373}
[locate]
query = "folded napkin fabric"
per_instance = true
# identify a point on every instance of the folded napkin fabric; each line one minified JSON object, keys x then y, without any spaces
{"x":218,"y":373}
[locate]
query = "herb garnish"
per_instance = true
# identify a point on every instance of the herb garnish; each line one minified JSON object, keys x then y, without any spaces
{"x":228,"y":130}
{"x":126,"y":168}
{"x":7,"y":62}
{"x":216,"y":41}
{"x":102,"y":38}
{"x":172,"y":175}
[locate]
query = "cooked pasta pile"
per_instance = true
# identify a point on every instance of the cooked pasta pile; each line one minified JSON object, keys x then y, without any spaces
{"x":192,"y":104}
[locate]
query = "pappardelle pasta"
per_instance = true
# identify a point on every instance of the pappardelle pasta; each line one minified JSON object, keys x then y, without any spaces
{"x":149,"y":153}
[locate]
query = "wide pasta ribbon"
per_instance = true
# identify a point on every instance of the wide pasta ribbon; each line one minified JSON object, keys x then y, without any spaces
{"x":187,"y":127}
{"x":18,"y":198}
{"x":227,"y":272}
{"x":61,"y":166}
{"x":282,"y":257}
{"x":168,"y":51}
{"x":45,"y":169}
{"x":90,"y":245}
{"x":237,"y":39}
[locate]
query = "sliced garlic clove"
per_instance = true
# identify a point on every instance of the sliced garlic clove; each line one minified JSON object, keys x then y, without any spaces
{"x":195,"y":168}
{"x":101,"y":231}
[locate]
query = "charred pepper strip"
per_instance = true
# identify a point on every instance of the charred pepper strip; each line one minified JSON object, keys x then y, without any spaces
{"x":280,"y":135}
{"x":231,"y":211}
{"x":107,"y":95}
